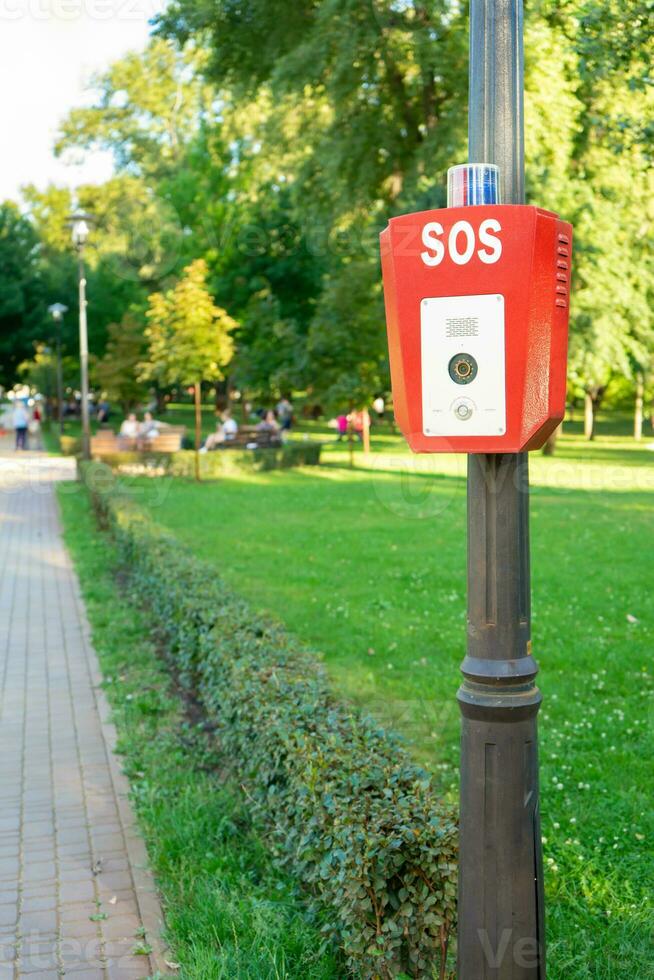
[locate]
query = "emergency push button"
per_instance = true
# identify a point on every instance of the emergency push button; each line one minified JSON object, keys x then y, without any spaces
{"x":463,"y":409}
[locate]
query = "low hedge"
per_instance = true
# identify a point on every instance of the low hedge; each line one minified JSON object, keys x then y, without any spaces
{"x":70,"y":445}
{"x":342,"y":804}
{"x":220,"y":463}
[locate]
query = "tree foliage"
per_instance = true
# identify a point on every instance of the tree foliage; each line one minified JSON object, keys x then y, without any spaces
{"x":188,"y":337}
{"x":40,"y":371}
{"x":117,"y":372}
{"x":361,"y":107}
{"x":148,"y":108}
{"x":22,"y":301}
{"x":273,"y":140}
{"x":354,"y":108}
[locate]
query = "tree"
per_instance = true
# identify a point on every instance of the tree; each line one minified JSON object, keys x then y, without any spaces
{"x":355,"y":108}
{"x":184,"y":196}
{"x":377,"y":89}
{"x":120,"y":263}
{"x":23,"y":312}
{"x":149,"y":107}
{"x":637,"y":395}
{"x":117,"y":372}
{"x":274,"y":139}
{"x":346,"y":354}
{"x":152,"y":111}
{"x":358,"y":109}
{"x":189,"y":339}
{"x":265,"y":273}
{"x":587,"y":80}
{"x":40,"y":373}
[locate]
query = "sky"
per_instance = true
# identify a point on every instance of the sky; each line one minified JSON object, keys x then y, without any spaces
{"x":48,"y":51}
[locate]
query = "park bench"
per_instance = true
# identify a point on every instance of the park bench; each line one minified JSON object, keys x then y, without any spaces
{"x":248,"y":436}
{"x":104,"y":442}
{"x":169,"y":440}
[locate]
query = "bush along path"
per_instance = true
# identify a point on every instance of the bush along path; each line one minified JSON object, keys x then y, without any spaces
{"x":343,"y":807}
{"x":230,"y":914}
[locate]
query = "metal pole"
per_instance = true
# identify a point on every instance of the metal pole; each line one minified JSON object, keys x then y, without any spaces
{"x":84,"y":359}
{"x":60,"y":381}
{"x":501,"y":906}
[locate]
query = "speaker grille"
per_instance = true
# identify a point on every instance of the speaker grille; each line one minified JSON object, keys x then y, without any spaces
{"x":463,"y":326}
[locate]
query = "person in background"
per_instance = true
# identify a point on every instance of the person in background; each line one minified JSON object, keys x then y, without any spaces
{"x":34,"y":429}
{"x":149,"y":428}
{"x":357,"y":422}
{"x":268,"y":423}
{"x":341,"y":427}
{"x":230,"y":426}
{"x":130,"y":426}
{"x":285,"y":414}
{"x":130,"y":429}
{"x":226,"y":431}
{"x":21,"y":421}
{"x":104,"y":411}
{"x":216,"y":438}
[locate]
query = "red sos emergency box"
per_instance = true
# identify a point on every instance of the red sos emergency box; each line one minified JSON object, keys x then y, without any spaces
{"x":477,"y":308}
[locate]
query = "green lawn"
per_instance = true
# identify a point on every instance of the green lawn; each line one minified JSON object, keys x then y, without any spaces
{"x":367,"y":566}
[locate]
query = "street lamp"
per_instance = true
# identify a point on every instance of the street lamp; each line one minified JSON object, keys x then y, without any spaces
{"x":81,"y":227}
{"x":57,"y":311}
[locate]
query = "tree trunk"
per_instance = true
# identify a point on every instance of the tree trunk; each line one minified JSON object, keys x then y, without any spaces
{"x":549,"y":449}
{"x":593,"y":400}
{"x":198,"y":427}
{"x":162,"y":404}
{"x":222,"y":396}
{"x":589,"y":416}
{"x":640,"y":401}
{"x":366,"y":431}
{"x":350,"y":437}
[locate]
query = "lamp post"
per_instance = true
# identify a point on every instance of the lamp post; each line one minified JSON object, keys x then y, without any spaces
{"x":501,"y":904}
{"x":57,"y":311}
{"x":80,"y":224}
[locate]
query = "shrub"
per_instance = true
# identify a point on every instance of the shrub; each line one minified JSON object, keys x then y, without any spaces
{"x":217,"y":464}
{"x":344,"y":807}
{"x":70,"y":445}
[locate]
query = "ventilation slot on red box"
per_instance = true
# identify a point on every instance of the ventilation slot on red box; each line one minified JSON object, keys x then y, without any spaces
{"x":563,"y":266}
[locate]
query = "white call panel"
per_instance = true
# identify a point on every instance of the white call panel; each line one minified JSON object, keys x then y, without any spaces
{"x":463,"y":366}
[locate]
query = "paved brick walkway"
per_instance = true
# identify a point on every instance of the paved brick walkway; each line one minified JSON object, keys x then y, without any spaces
{"x":74,"y":890}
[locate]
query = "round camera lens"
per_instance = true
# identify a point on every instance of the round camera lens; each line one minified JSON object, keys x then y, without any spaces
{"x":463,"y":369}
